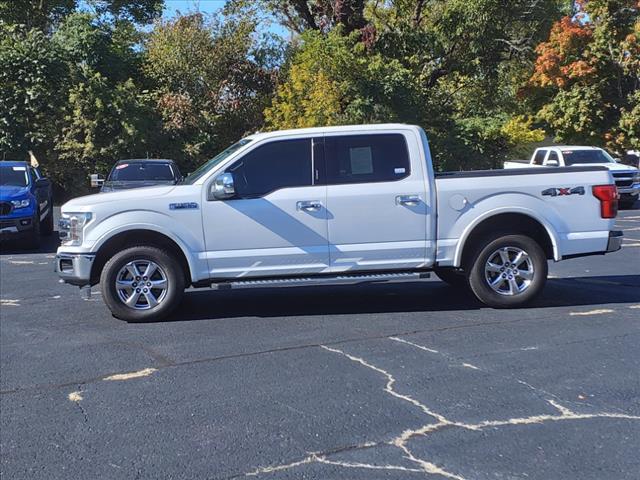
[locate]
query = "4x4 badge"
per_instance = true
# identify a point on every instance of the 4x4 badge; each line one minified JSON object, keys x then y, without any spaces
{"x":559,"y":192}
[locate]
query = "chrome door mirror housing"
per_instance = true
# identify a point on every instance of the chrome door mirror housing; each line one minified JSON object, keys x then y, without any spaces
{"x":553,"y":163}
{"x":222,"y":187}
{"x":96,"y":180}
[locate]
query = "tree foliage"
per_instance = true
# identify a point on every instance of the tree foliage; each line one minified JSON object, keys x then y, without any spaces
{"x":212,"y":81}
{"x":84,"y":84}
{"x":589,"y":72}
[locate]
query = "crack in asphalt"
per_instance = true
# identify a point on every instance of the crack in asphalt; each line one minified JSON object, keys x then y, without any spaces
{"x":165,"y":362}
{"x":401,"y":441}
{"x":76,"y":397}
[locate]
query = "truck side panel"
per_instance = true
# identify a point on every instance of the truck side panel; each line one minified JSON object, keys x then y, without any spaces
{"x":561,"y":202}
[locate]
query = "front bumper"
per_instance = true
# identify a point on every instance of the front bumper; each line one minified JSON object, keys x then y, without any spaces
{"x":13,"y":227}
{"x":75,"y":268}
{"x":615,"y":241}
{"x":632,"y":190}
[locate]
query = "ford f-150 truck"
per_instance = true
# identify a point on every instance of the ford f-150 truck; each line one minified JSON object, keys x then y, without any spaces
{"x":26,"y":208}
{"x":345,"y":204}
{"x":627,"y":177}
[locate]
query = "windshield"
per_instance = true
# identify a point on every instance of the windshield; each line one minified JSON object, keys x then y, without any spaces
{"x":205,"y":167}
{"x":141,"y":171}
{"x":574,"y":157}
{"x":14,"y":176}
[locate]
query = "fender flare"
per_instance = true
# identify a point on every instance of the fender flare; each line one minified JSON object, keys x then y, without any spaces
{"x":191,"y":261}
{"x":499,"y":211}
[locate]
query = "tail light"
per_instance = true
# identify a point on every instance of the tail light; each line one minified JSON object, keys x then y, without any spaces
{"x":608,"y":196}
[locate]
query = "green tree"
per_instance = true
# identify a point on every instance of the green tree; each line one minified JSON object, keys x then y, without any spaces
{"x":31,"y":91}
{"x":453,"y":67}
{"x":102,"y":123}
{"x":39,"y":14}
{"x":45,"y":14}
{"x":589,"y":75}
{"x":212,"y":81}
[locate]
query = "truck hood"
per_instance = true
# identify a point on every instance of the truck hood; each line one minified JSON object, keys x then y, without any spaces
{"x":85,"y":203}
{"x":11,"y":192}
{"x":125,"y":185}
{"x":614,"y":167}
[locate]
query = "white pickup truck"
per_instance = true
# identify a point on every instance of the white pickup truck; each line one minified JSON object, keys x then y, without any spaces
{"x":627,"y":178}
{"x":339,"y":204}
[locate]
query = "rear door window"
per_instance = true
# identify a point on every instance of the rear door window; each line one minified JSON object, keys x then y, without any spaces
{"x":366,"y":158}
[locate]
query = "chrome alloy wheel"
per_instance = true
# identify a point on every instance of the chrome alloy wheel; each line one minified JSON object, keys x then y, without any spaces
{"x":509,"y":271}
{"x":141,"y":284}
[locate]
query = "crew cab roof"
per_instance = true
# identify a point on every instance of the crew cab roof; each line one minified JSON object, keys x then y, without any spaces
{"x":146,"y":160}
{"x":570,"y":147}
{"x":335,"y":129}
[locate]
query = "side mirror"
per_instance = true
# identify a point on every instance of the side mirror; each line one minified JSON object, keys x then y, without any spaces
{"x":222,"y":187}
{"x":43,"y":183}
{"x":553,"y":163}
{"x":96,"y":181}
{"x":617,"y":160}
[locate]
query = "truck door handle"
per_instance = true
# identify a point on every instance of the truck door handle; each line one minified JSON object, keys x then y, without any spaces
{"x":309,"y":206}
{"x":408,"y":200}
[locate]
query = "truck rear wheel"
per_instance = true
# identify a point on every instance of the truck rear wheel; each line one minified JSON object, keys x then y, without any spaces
{"x":508,"y":271}
{"x":142,"y":284}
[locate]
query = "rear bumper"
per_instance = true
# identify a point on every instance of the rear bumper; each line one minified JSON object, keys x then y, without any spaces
{"x":75,"y":268}
{"x":589,"y":247}
{"x":615,"y":241}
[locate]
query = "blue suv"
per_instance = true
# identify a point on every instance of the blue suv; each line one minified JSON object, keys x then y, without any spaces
{"x":26,"y":203}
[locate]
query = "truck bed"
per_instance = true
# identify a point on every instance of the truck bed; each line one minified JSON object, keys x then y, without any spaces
{"x":560,"y":199}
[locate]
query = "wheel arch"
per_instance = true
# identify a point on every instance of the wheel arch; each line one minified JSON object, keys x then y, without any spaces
{"x":511,"y":222}
{"x":134,"y":237}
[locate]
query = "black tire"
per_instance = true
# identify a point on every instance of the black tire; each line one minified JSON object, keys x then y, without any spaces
{"x":168,"y":267}
{"x":47,"y":224}
{"x":492,"y":248}
{"x":33,"y":240}
{"x":452,"y":276}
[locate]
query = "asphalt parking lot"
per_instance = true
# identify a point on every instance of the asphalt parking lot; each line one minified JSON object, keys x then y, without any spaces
{"x":393,"y":381}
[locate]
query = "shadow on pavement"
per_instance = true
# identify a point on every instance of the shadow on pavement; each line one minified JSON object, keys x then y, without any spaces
{"x":47,"y":245}
{"x":389,"y":298}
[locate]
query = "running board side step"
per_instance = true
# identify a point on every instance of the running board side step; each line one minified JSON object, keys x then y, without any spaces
{"x":321,"y":279}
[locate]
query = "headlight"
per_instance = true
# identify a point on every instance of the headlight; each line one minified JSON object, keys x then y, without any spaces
{"x":20,"y":203}
{"x":71,"y":226}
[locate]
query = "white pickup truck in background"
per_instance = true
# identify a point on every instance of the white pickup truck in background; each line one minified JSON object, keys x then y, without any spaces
{"x":627,"y":178}
{"x":340,"y":204}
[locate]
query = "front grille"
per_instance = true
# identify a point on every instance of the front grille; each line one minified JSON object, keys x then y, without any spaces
{"x":7,"y":223}
{"x":623,"y":179}
{"x":623,"y":183}
{"x":5,"y":208}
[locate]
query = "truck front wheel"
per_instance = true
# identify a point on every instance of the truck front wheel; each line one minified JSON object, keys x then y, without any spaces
{"x":142,"y":284}
{"x":508,"y":271}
